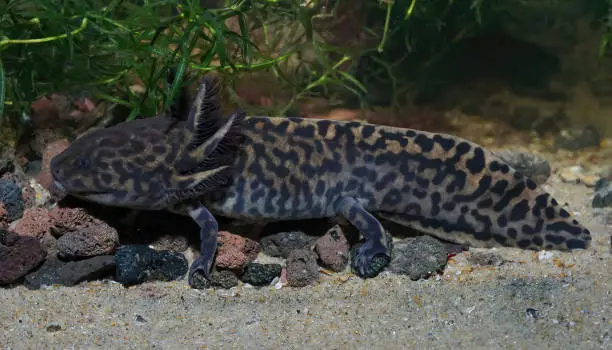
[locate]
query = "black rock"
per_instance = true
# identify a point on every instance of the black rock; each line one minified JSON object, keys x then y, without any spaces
{"x":225,"y":279}
{"x":69,"y":273}
{"x":418,"y":257}
{"x":260,"y":274}
{"x":282,"y":243}
{"x":11,"y":198}
{"x":603,"y":194}
{"x":138,"y":263}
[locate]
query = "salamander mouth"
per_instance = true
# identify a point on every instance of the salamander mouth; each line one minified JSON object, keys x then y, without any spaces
{"x":59,"y":192}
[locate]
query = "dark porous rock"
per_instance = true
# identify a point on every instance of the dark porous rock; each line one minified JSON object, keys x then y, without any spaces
{"x":50,"y":244}
{"x":69,"y":273}
{"x":260,"y":274}
{"x":536,"y":168}
{"x":418,"y":257}
{"x":302,"y":268}
{"x":18,"y":256}
{"x":524,"y":117}
{"x":283,"y":243}
{"x":138,"y":263}
{"x":603,"y":194}
{"x":88,"y":241}
{"x":333,"y":249}
{"x":485,"y":258}
{"x":171,"y":242}
{"x":578,"y":139}
{"x":71,"y":219}
{"x":10,"y":196}
{"x":225,"y":279}
{"x":4,"y":222}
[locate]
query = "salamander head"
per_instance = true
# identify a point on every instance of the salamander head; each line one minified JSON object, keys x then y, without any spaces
{"x":150,"y":163}
{"x":125,"y":165}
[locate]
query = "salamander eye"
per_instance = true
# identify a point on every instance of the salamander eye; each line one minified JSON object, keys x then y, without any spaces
{"x":82,"y":163}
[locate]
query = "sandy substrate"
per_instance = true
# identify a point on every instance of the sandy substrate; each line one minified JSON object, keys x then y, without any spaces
{"x":532,"y":301}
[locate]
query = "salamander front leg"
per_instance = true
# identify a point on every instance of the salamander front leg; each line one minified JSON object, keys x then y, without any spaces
{"x":201,"y":269}
{"x":375,"y":254}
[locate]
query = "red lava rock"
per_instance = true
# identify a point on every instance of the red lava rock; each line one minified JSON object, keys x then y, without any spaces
{"x":248,"y":247}
{"x":230,"y":257}
{"x":18,"y":256}
{"x":34,"y":223}
{"x":71,"y":219}
{"x":333,"y":249}
{"x":302,"y":268}
{"x":51,"y":150}
{"x":88,"y":241}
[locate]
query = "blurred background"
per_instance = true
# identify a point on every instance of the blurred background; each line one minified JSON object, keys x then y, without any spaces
{"x":498,"y":72}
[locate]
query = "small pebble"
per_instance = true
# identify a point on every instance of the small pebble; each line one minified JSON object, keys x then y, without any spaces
{"x":590,"y":180}
{"x":302,"y":268}
{"x":42,"y":197}
{"x":571,"y":174}
{"x":138,"y":263}
{"x":545,"y":255}
{"x":533,"y":313}
{"x":260,"y":274}
{"x":53,"y":327}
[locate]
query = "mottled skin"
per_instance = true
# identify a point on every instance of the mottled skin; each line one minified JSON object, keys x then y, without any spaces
{"x":293,"y":168}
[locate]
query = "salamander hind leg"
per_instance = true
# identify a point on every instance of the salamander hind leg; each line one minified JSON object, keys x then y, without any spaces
{"x":201,"y":269}
{"x":375,"y":253}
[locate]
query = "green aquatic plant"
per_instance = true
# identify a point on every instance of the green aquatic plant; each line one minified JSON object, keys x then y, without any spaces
{"x":104,"y":49}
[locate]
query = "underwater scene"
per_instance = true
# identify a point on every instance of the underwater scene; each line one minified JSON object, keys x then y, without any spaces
{"x":302,"y":174}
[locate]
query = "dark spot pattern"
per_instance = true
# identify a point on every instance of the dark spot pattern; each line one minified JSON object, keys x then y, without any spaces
{"x":293,"y":168}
